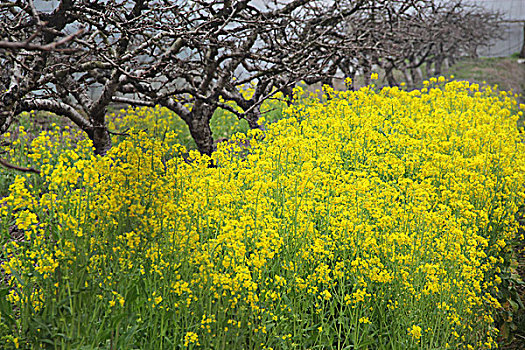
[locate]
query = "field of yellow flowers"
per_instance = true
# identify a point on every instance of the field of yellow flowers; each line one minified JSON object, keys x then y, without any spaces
{"x":361,"y":220}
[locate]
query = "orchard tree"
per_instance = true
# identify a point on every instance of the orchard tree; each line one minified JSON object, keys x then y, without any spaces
{"x":68,"y":53}
{"x":76,"y":57}
{"x":405,"y":35}
{"x":225,"y":45}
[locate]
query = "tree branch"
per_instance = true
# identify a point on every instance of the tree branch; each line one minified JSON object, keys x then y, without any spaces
{"x":15,"y":167}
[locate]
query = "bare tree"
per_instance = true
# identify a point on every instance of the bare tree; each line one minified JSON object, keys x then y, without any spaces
{"x":229,"y":44}
{"x":460,"y":29}
{"x":193,"y":56}
{"x":405,"y":35}
{"x":168,"y":53}
{"x":442,"y":31}
{"x":78,"y":80}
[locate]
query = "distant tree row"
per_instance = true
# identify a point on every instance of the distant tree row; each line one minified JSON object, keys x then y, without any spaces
{"x":192,"y":56}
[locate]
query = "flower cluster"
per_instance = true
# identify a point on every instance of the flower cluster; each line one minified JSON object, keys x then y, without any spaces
{"x":365,"y":219}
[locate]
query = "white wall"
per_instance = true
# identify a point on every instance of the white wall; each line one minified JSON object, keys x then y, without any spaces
{"x":512,"y":35}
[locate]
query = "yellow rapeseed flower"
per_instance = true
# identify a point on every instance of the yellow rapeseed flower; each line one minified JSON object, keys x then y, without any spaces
{"x":415,"y":332}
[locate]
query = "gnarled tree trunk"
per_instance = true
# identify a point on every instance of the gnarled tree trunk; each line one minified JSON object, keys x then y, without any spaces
{"x":101,"y":139}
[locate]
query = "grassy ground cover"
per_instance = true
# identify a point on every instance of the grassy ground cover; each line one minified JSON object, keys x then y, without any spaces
{"x":362,"y":220}
{"x":505,"y":72}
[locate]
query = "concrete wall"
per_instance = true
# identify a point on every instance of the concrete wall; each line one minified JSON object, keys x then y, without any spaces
{"x":512,"y":33}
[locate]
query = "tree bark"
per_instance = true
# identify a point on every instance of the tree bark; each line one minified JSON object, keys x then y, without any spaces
{"x":94,"y":126}
{"x":253,"y":119}
{"x":348,"y":72}
{"x":101,"y":140}
{"x":327,"y":81}
{"x":417,"y":75}
{"x":438,"y":66}
{"x":367,"y":71}
{"x":445,"y":66}
{"x":428,"y":68}
{"x":200,"y":130}
{"x":408,"y":78}
{"x":390,"y":76}
{"x":288,"y":94}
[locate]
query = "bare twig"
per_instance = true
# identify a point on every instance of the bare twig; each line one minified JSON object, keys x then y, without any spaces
{"x":15,"y":167}
{"x":27,"y":45}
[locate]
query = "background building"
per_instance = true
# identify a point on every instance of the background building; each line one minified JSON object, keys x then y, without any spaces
{"x":511,"y":41}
